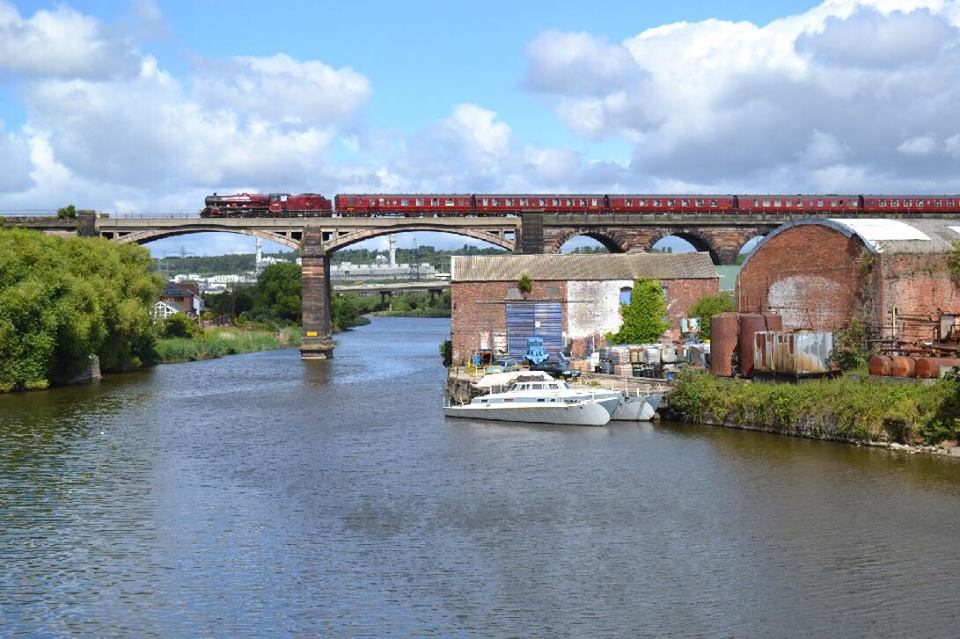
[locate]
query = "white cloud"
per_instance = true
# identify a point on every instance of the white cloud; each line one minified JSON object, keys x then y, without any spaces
{"x":863,"y":88}
{"x":920,"y":145}
{"x":61,"y":43}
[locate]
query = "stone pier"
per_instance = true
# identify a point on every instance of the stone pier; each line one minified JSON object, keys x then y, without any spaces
{"x":317,"y":335}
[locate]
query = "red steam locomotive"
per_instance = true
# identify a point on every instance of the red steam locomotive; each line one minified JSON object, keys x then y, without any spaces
{"x":266,"y":205}
{"x":498,"y":204}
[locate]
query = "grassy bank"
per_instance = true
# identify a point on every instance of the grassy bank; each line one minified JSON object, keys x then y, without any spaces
{"x":847,"y":408}
{"x":416,"y":312}
{"x":218,"y":342}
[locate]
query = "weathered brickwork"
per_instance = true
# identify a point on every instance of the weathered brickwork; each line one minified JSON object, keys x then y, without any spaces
{"x":808,"y":274}
{"x":817,"y":278}
{"x":478,"y":310}
{"x":723,"y":243}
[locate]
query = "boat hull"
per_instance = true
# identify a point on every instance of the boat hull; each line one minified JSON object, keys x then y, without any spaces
{"x":582,"y":414}
{"x":637,"y":409}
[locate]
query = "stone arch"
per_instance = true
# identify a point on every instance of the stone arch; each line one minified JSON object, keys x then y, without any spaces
{"x":610,"y":240}
{"x":151,"y":235}
{"x":701,"y":242}
{"x":353,"y":237}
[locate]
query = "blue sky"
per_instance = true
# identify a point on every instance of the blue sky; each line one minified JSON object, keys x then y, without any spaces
{"x":148,"y":105}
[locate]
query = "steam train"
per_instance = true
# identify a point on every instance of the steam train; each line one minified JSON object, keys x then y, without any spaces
{"x":485,"y":204}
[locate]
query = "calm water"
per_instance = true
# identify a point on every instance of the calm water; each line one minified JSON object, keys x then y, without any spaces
{"x":259,"y":494}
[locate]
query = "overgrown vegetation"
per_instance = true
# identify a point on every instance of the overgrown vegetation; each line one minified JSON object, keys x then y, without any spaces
{"x":953,"y":262}
{"x":708,"y":306}
{"x":219,"y":342}
{"x":68,"y":212}
{"x":644,"y":319}
{"x":525,"y":284}
{"x":851,"y":350}
{"x":845,"y":408}
{"x":64,"y":299}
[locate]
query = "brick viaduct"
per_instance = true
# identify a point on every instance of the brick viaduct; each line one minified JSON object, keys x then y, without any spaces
{"x":721,"y":235}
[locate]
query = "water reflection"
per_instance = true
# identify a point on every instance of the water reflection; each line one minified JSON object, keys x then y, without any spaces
{"x":259,"y":494}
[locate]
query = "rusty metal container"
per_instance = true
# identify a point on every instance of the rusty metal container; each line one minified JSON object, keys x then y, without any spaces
{"x":724,"y":331}
{"x":880,"y":365}
{"x":750,"y":325}
{"x":934,"y":367}
{"x":902,"y":366}
{"x":803,"y":354}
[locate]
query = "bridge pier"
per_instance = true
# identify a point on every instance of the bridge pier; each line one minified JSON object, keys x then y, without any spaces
{"x":317,"y":334}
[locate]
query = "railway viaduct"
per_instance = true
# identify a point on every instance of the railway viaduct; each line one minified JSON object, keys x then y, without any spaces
{"x":722,"y":235}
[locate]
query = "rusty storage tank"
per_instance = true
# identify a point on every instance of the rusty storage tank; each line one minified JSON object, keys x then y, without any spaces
{"x":750,"y":324}
{"x":724,"y":330}
{"x":902,"y":366}
{"x":804,"y":354}
{"x":880,"y":365}
{"x":934,"y":367}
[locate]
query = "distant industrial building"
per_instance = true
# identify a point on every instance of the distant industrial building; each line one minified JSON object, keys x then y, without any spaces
{"x":574,"y":302}
{"x":818,"y":274}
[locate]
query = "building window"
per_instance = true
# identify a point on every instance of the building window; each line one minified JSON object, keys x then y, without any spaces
{"x":625,"y":293}
{"x":553,"y":291}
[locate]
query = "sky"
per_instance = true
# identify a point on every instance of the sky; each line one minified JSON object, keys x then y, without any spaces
{"x":146,"y":106}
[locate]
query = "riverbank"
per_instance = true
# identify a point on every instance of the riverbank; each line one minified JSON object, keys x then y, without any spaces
{"x":418,"y":312}
{"x":219,"y":342}
{"x":849,"y":409}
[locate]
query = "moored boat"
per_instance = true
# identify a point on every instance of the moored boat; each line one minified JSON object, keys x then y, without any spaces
{"x":545,"y":401}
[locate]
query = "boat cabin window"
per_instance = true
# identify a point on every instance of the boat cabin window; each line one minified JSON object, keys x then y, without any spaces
{"x":553,"y":387}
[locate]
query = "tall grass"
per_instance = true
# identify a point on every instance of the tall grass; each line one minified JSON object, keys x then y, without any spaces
{"x":218,"y":342}
{"x":847,"y":408}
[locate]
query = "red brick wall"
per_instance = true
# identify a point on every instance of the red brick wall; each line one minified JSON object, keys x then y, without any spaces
{"x":920,"y":286}
{"x":810,"y":274}
{"x":478,"y":307}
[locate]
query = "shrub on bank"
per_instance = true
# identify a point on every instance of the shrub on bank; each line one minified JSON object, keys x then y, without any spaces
{"x":845,"y":408}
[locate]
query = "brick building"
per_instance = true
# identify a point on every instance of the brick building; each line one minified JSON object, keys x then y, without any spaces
{"x":575,"y":298}
{"x":818,"y":274}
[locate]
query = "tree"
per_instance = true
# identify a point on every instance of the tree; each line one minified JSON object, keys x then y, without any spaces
{"x":64,"y":299}
{"x":708,"y":306}
{"x":643,"y":318}
{"x":68,"y":212}
{"x":278,"y":294}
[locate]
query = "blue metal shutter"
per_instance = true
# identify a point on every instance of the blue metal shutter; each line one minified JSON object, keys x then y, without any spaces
{"x":534,"y":319}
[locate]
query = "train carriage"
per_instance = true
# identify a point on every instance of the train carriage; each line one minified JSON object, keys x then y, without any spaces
{"x":404,"y":204}
{"x":514,"y":204}
{"x":646,"y":203}
{"x":799,"y":203}
{"x":911,"y":203}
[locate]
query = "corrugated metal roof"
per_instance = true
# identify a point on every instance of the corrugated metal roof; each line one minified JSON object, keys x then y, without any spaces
{"x":885,"y":236}
{"x":616,"y":266}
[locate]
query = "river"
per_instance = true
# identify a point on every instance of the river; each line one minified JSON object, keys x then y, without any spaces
{"x":261,"y":495}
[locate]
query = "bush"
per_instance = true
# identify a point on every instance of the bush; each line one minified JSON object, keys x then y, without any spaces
{"x":68,"y":212}
{"x":850,"y":347}
{"x":525,"y":284}
{"x":708,"y":306}
{"x":179,"y":325}
{"x":644,"y":318}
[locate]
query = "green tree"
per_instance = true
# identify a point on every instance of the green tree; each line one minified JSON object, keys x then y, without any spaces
{"x":851,"y":347}
{"x":68,"y":212}
{"x":644,"y":318}
{"x":708,"y":306}
{"x":64,"y":299}
{"x":278,"y":294}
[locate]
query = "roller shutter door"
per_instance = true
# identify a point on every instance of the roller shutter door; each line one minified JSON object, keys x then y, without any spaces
{"x":534,"y":319}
